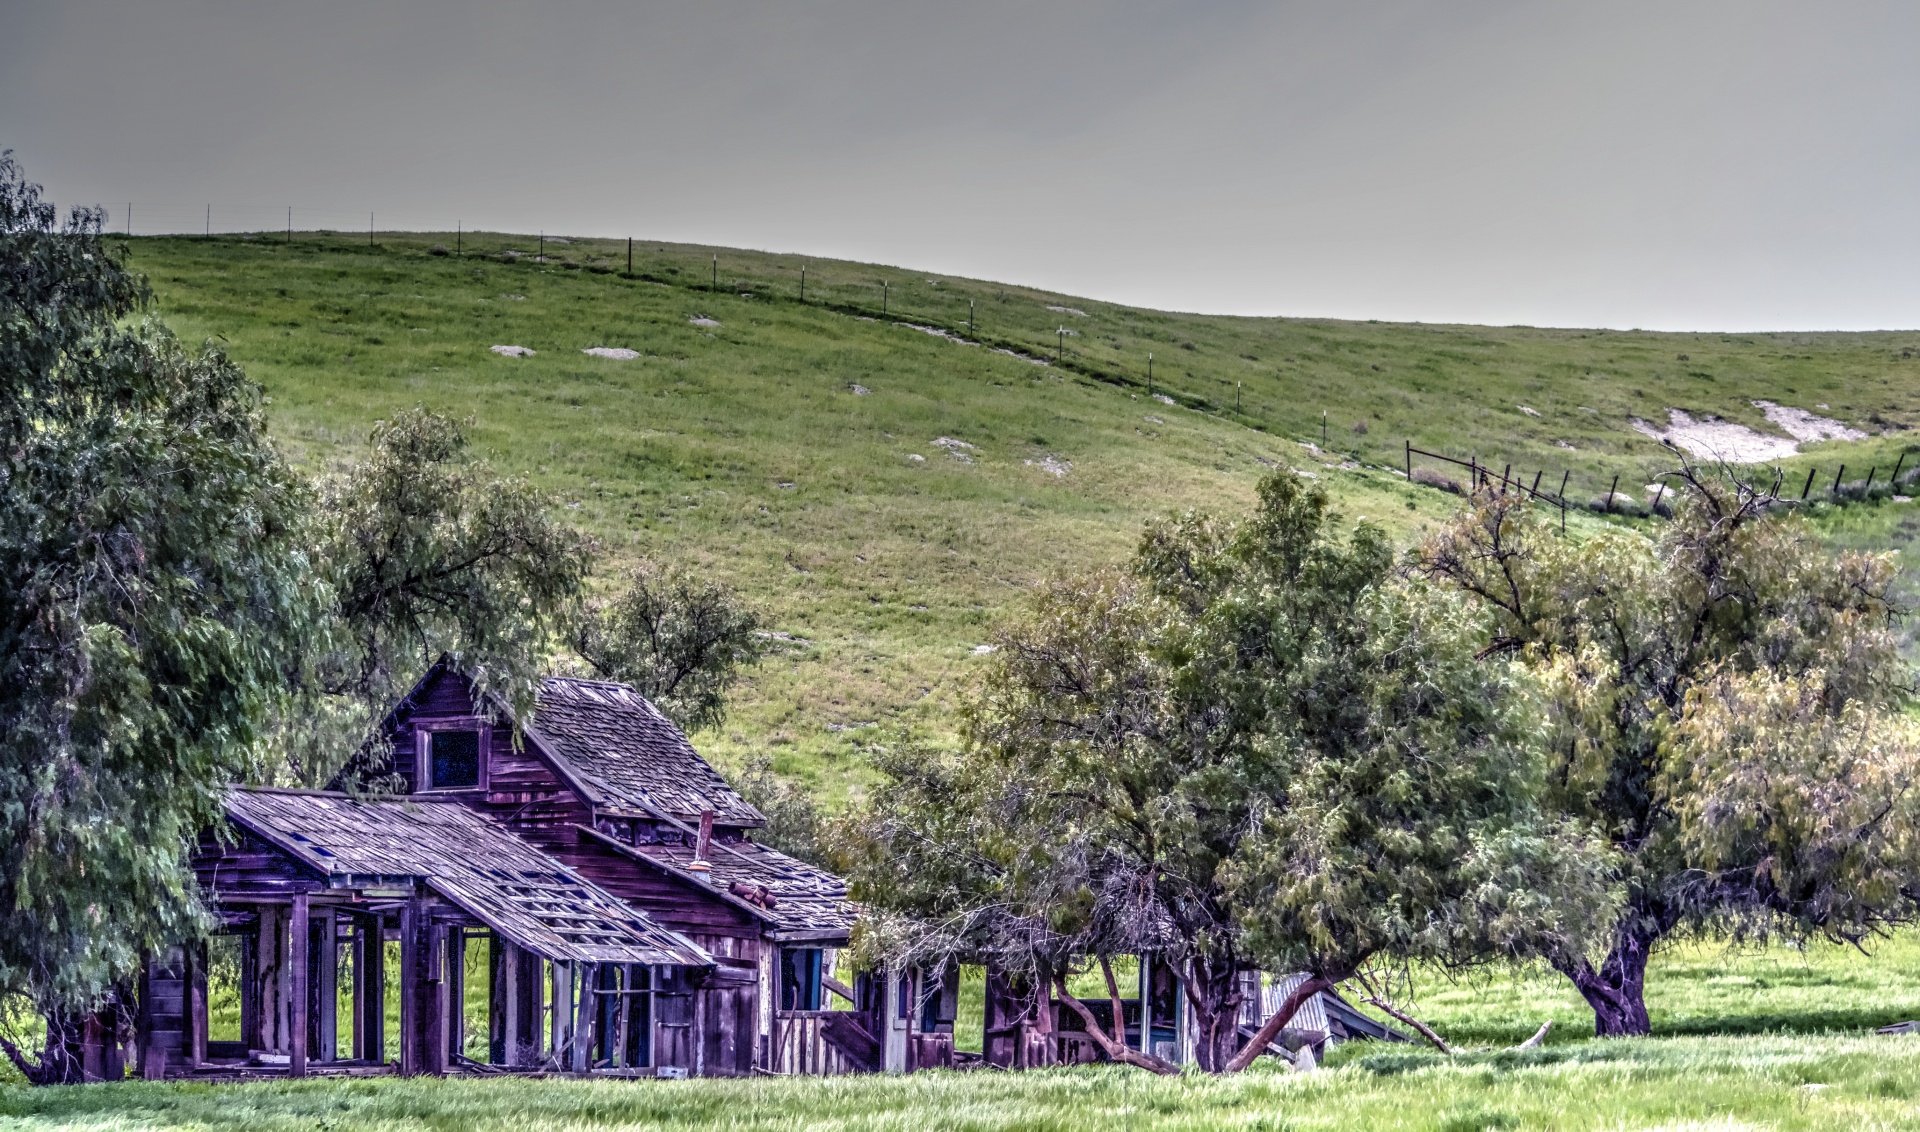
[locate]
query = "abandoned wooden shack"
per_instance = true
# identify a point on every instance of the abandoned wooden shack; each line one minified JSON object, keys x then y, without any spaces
{"x":629,"y":923}
{"x":605,"y":783}
{"x":317,"y":885}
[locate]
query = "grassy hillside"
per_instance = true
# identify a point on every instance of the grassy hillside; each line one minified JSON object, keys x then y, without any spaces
{"x":793,"y":447}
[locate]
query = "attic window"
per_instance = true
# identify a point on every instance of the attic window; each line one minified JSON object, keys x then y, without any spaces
{"x":453,"y":759}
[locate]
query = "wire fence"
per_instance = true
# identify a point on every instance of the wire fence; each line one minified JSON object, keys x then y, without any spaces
{"x":141,"y":218}
{"x":1482,"y":476}
{"x":162,"y":218}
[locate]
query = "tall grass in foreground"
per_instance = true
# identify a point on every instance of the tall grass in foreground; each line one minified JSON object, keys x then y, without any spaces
{"x":1718,"y":1083}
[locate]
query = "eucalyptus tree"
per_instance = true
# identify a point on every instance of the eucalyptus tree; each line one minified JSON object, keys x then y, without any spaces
{"x":154,"y":586}
{"x":1724,"y":703}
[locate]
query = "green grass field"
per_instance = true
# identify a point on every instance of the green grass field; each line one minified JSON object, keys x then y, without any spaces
{"x":744,"y":448}
{"x":1774,"y":1039}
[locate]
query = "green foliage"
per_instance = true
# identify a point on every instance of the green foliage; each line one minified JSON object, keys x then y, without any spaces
{"x":153,"y":588}
{"x":1262,"y":748}
{"x":1724,"y":702}
{"x":679,"y":639}
{"x":430,"y":552}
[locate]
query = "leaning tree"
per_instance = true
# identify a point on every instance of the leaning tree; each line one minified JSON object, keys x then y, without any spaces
{"x":1724,"y":702}
{"x":152,"y":591}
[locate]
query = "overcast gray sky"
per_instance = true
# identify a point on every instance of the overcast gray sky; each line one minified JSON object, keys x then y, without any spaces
{"x":1673,"y":165}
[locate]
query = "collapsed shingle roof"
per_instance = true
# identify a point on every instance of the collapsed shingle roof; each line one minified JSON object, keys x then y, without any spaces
{"x":628,"y":756}
{"x":516,"y":890}
{"x":805,"y":901}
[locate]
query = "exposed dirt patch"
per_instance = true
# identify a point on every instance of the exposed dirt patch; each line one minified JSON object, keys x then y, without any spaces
{"x":1805,"y":426}
{"x":1714,"y":439}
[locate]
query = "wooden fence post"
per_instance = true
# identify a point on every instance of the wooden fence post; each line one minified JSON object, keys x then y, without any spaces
{"x":1836,"y":480}
{"x":1611,"y":490}
{"x":1809,"y":484}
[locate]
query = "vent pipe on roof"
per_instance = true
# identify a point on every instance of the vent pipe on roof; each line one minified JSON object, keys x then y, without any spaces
{"x":704,"y":844}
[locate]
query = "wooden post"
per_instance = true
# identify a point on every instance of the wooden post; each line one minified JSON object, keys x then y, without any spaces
{"x":1409,"y":461}
{"x":1611,"y":489}
{"x":1535,"y":489}
{"x":357,"y":1013}
{"x":1808,"y":486}
{"x":373,"y":1036}
{"x":1836,"y":480}
{"x":299,"y":941}
{"x":1654,"y":507}
{"x":803,"y":284}
{"x":510,"y":999}
{"x":629,"y":255}
{"x":1868,"y":490}
{"x":431,"y":998}
{"x":1895,"y":480}
{"x":584,"y":1031}
{"x":326,"y":966}
{"x":459,"y":243}
{"x":716,"y":272}
{"x":563,"y":1027}
{"x":456,"y":993}
{"x":1505,"y":481}
{"x":409,"y":988}
{"x":197,"y":1005}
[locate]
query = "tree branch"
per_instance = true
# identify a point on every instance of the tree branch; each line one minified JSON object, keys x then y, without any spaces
{"x":1118,"y":1051}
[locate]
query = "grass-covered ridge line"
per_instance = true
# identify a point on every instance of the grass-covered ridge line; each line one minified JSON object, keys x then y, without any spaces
{"x":745,"y":449}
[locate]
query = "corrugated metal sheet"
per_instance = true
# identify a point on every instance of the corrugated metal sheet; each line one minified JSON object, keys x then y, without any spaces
{"x":513,"y":888}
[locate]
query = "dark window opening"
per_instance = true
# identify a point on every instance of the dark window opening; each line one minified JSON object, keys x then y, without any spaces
{"x":455,"y":759}
{"x":799,"y":978}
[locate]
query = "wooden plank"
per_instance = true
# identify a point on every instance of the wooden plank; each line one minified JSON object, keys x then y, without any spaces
{"x":456,"y":991}
{"x":326,"y":966}
{"x":374,"y":1034}
{"x":510,"y":999}
{"x":357,"y":956}
{"x":197,"y":1004}
{"x":298,"y":943}
{"x":431,"y":997}
{"x":409,"y":988}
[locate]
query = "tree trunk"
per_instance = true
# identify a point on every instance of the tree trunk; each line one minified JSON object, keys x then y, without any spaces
{"x":1213,"y":1001}
{"x":1617,"y":992}
{"x":60,"y":1060}
{"x":1270,"y":1029}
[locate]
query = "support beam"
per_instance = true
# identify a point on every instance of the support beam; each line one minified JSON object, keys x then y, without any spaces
{"x":326,"y":994}
{"x":507,"y":1002}
{"x":584,"y":1031}
{"x":373,"y":1002}
{"x":298,"y":951}
{"x":563,"y":1026}
{"x":430,"y":998}
{"x":410,"y":988}
{"x":197,"y":1005}
{"x":456,"y":992}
